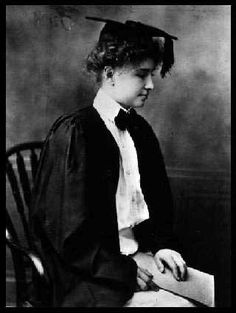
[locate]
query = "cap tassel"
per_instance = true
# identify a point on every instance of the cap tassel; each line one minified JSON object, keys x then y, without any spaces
{"x":168,"y":57}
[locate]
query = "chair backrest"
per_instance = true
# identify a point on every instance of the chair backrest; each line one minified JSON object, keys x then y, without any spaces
{"x":21,"y":167}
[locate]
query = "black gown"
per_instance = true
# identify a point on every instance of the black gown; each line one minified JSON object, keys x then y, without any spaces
{"x":74,"y":220}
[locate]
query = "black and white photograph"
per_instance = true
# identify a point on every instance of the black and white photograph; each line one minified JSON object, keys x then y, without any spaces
{"x":118,"y":155}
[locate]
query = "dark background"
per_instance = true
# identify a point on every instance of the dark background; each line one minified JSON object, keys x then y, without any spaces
{"x":189,"y":110}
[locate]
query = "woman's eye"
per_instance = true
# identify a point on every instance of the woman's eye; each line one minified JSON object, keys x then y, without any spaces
{"x":141,"y":75}
{"x":144,"y":75}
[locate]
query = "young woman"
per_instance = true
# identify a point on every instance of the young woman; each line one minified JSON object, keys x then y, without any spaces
{"x":102,"y":196}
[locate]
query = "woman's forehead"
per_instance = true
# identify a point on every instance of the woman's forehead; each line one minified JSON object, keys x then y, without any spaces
{"x":146,"y":65}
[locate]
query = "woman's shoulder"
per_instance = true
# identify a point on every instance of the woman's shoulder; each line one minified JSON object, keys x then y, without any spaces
{"x":70,"y":126}
{"x":72,"y":119}
{"x":142,"y":122}
{"x":146,"y":129}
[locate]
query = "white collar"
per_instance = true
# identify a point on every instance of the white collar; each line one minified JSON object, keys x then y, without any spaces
{"x":106,"y":106}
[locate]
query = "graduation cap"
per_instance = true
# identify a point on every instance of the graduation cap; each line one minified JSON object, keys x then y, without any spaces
{"x":138,"y":32}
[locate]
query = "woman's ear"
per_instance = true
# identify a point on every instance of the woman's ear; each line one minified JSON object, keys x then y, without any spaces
{"x":108,"y":74}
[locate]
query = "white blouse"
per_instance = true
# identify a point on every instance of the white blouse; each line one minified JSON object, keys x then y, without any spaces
{"x":130,"y":204}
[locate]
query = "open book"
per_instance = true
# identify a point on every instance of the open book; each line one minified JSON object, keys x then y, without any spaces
{"x":198,"y":285}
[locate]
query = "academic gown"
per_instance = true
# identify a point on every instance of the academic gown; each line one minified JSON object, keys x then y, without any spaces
{"x":74,"y":219}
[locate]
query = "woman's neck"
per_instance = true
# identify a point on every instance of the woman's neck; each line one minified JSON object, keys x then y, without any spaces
{"x":110,"y":92}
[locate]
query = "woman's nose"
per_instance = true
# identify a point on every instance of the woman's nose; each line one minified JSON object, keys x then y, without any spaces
{"x":149,"y":83}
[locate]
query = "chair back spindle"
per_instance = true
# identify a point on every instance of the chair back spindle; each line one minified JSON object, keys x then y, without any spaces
{"x":21,"y":168}
{"x":33,"y":163}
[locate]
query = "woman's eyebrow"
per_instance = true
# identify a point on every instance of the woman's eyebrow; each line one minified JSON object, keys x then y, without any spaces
{"x":143,"y":69}
{"x":146,"y":69}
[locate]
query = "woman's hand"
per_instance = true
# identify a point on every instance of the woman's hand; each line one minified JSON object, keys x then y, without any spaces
{"x":144,"y":277}
{"x":172,"y":259}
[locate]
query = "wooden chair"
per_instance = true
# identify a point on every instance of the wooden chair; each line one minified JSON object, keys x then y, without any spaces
{"x":21,"y":166}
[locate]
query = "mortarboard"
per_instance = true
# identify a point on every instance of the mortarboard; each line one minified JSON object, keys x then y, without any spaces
{"x":136,"y":31}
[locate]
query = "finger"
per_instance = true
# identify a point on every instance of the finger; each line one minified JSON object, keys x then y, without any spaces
{"x":153,"y":286}
{"x":173,"y":266}
{"x":137,"y":287}
{"x":141,"y":274}
{"x":146,"y":271}
{"x":182,"y":268}
{"x":178,"y":255}
{"x":159,"y":264}
{"x":181,"y":265}
{"x":142,"y":284}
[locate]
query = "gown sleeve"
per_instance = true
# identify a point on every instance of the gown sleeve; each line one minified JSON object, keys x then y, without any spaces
{"x":61,"y":215}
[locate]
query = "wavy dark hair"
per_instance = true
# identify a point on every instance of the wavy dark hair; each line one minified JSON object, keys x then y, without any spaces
{"x":116,"y":53}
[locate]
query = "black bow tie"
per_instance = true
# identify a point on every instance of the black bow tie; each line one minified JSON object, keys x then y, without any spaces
{"x":125,"y":119}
